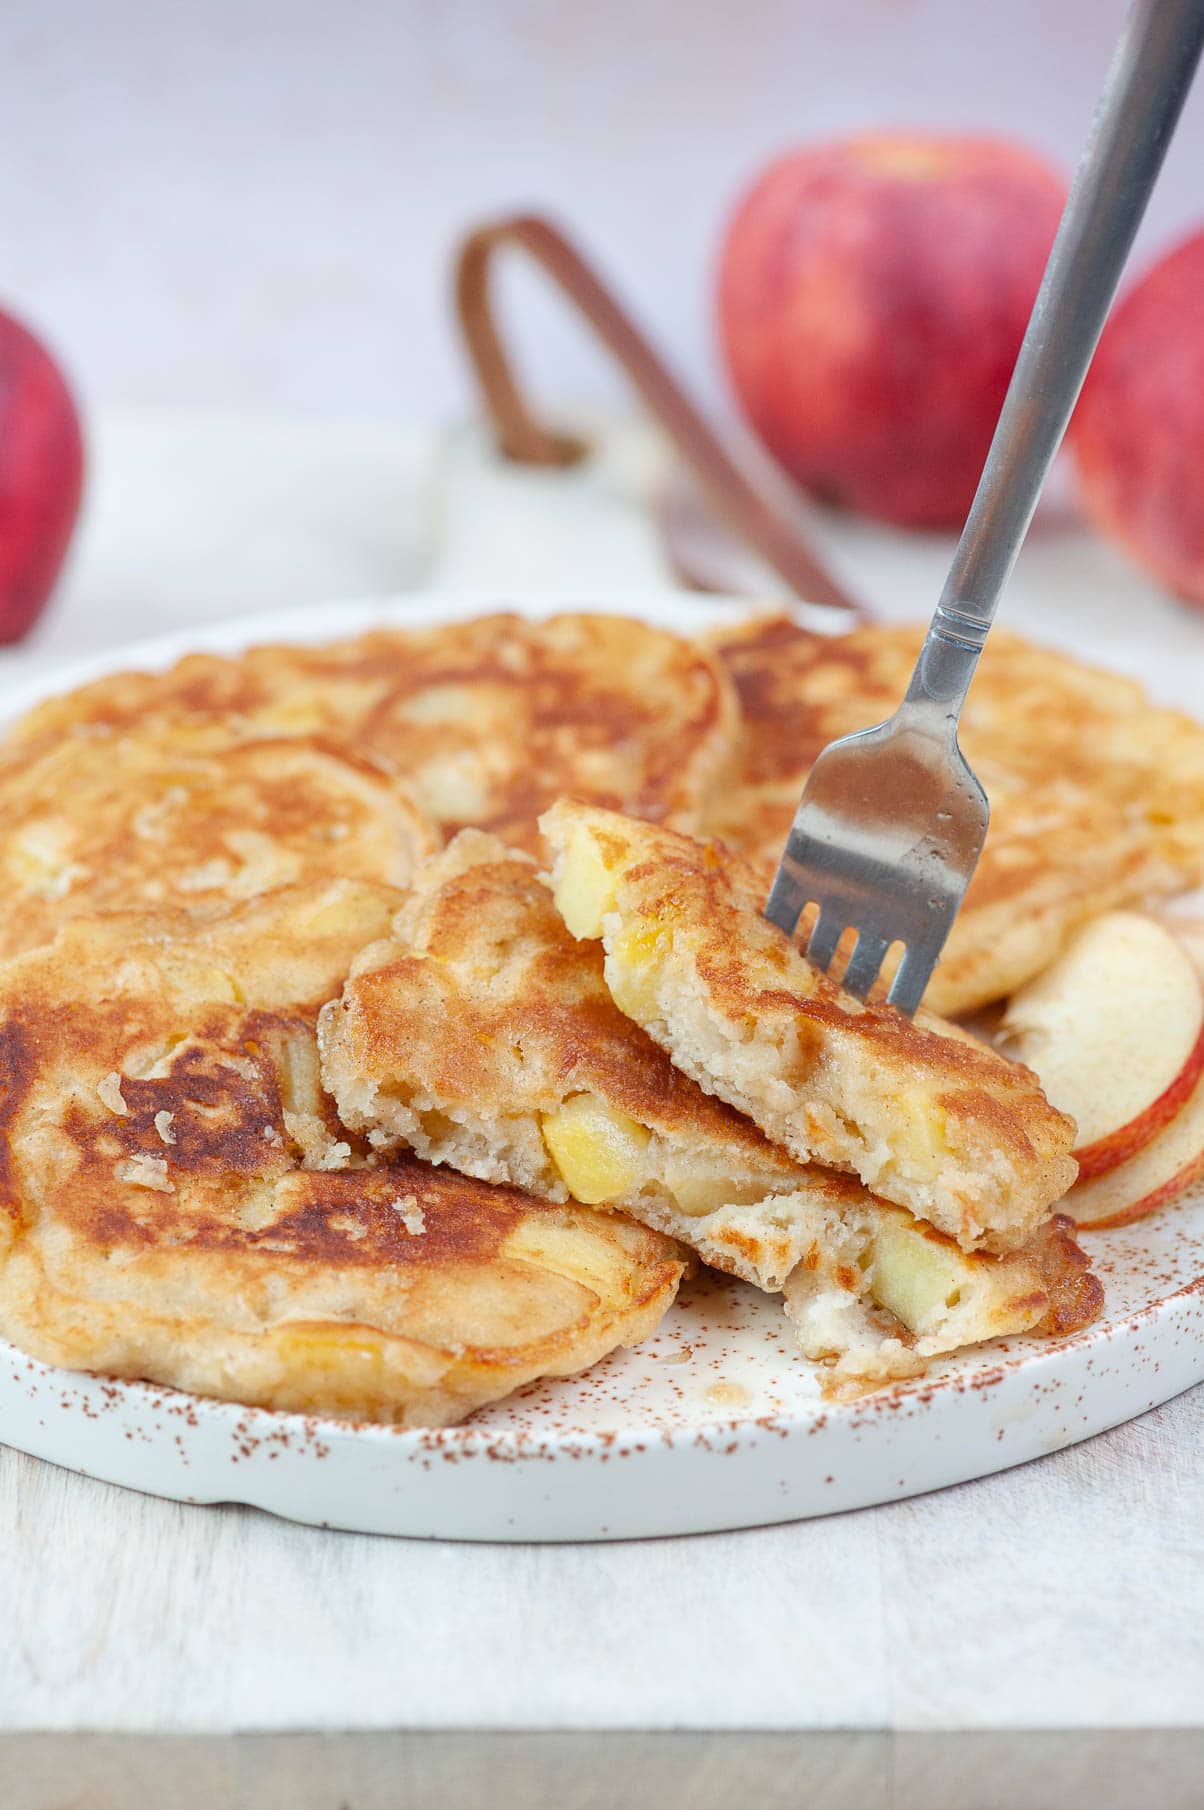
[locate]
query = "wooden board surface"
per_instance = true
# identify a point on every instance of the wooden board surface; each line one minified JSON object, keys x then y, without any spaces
{"x":1075,"y":1771}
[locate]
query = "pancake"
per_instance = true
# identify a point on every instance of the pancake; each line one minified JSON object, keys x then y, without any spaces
{"x":921,"y":1113}
{"x":486,"y":721}
{"x":1097,"y":798}
{"x":482,"y":1034}
{"x":288,"y":949}
{"x":495,"y":718}
{"x":326,"y":691}
{"x":183,"y":815}
{"x":168,"y":1211}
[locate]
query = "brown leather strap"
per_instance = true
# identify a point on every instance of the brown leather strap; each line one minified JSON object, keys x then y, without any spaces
{"x":521,"y":436}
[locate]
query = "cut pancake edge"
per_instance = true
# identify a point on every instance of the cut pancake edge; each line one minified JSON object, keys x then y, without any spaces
{"x":924,"y":1115}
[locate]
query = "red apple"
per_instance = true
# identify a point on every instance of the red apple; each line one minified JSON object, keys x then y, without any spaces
{"x":41,"y":476}
{"x":1114,"y":1029}
{"x":1138,"y":432}
{"x":873,"y":293}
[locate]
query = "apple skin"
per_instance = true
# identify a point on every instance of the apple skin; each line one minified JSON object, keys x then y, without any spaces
{"x":41,"y":476}
{"x":1138,"y":432}
{"x":1119,"y":1145}
{"x":1115,"y":1030}
{"x":1164,"y":1196}
{"x":1188,"y":1125}
{"x":873,"y":293}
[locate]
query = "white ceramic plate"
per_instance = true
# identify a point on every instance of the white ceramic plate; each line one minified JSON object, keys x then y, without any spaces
{"x":712,"y":1423}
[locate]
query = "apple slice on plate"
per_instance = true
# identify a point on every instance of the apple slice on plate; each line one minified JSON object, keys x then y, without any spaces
{"x":1115,"y":1032}
{"x":1153,"y":1178}
{"x":1189,"y":932}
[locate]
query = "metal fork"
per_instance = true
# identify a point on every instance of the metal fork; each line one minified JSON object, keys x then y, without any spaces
{"x":892,"y":820}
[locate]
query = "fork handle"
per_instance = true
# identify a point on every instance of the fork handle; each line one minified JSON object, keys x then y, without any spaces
{"x":1146,"y":87}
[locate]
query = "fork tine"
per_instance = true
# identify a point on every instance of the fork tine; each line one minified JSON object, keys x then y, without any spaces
{"x":911,"y":977}
{"x":824,"y":937}
{"x":891,"y":872}
{"x":787,"y":901}
{"x":864,"y":964}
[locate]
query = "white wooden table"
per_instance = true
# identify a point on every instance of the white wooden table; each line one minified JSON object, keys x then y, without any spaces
{"x":1068,"y":1593}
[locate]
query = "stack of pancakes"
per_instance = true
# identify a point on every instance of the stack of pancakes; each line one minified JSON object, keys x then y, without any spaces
{"x":319,"y":1093}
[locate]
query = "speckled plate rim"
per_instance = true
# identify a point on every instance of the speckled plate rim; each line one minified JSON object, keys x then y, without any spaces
{"x":489,"y":1483}
{"x":997,"y":1407}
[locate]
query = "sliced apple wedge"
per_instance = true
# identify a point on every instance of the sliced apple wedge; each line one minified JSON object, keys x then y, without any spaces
{"x":1157,"y":1175}
{"x":1189,"y":932}
{"x":1115,"y":1032}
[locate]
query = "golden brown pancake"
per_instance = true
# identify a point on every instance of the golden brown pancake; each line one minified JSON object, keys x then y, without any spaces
{"x":1097,"y":798}
{"x":486,"y":721}
{"x":178,"y":1201}
{"x":481,"y":1033}
{"x":327,"y":691}
{"x":181,"y":1200}
{"x":288,"y":949}
{"x":924,"y":1115}
{"x":181,"y":815}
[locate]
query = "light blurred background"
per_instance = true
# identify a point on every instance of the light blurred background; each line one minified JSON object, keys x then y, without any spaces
{"x":233,"y":224}
{"x":251,"y":205}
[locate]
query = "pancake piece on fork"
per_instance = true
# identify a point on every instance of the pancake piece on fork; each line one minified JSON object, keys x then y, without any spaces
{"x":178,"y":1201}
{"x":485,"y":722}
{"x":920,"y":1112}
{"x":1097,"y":797}
{"x":482,"y":1034}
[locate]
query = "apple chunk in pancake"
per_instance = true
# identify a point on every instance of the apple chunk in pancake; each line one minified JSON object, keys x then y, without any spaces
{"x":883,"y":1292}
{"x":1115,"y":1030}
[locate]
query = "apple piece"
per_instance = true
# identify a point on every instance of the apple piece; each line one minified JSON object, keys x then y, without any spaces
{"x":1138,"y":431}
{"x":1114,"y":1029}
{"x":873,"y":293}
{"x":598,"y":1151}
{"x":1189,"y":932}
{"x":1157,"y":1175}
{"x":41,"y":476}
{"x":1118,"y":1146}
